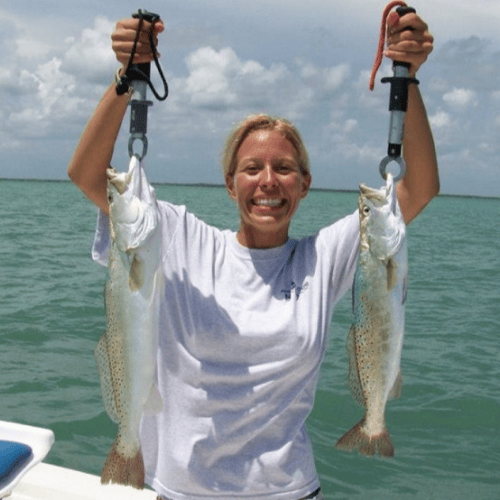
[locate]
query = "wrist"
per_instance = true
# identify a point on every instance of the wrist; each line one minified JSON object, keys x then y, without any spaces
{"x":123,"y":84}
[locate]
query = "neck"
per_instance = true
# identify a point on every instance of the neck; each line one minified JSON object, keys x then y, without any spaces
{"x":262,"y":240}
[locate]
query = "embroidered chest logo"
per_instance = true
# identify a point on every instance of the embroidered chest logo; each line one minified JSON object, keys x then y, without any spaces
{"x":295,"y":290}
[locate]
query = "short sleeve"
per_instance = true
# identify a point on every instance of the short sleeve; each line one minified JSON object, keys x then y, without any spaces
{"x":341,"y":242}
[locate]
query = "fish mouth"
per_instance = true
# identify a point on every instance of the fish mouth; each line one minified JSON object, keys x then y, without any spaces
{"x":120,"y":180}
{"x":386,"y":195}
{"x":377,"y":196}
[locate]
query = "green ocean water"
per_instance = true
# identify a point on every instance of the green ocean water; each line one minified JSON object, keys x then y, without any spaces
{"x":445,"y":426}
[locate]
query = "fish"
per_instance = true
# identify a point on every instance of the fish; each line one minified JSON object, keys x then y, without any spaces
{"x":375,"y":339}
{"x":126,"y":352}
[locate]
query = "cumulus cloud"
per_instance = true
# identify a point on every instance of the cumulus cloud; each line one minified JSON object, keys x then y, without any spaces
{"x":461,"y":98}
{"x":50,"y":83}
{"x":46,"y":96}
{"x":465,"y":49}
{"x":219,"y":80}
{"x":440,"y":119}
{"x":89,"y":56}
{"x":326,"y":79}
{"x":53,"y":98}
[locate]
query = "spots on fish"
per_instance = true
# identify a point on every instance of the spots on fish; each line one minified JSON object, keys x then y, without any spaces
{"x":125,"y":352}
{"x":374,"y":341}
{"x":110,"y":360}
{"x":369,"y":340}
{"x":354,"y":379}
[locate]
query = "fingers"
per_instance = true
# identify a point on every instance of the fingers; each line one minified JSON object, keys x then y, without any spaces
{"x":408,"y":40}
{"x":124,"y":36}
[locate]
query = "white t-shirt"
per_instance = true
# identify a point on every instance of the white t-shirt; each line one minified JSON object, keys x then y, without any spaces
{"x":242,"y":337}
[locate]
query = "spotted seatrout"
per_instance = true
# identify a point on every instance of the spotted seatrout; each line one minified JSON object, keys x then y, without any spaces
{"x":375,"y":339}
{"x":126,"y":352}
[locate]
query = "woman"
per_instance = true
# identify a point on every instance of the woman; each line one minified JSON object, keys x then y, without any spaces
{"x":245,"y":316}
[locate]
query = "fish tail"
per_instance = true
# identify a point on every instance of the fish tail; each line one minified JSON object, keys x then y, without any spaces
{"x":357,"y":439}
{"x":122,"y":470}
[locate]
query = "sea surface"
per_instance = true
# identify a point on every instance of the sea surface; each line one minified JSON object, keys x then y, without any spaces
{"x":445,"y":426}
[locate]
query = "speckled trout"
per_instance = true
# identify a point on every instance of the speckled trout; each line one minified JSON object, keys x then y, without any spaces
{"x":375,"y":339}
{"x":126,"y":352}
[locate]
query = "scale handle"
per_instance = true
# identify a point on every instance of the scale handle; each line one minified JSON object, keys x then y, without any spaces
{"x":142,"y":72}
{"x":402,"y":11}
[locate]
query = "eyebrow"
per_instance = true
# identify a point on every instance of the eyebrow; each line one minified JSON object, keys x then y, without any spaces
{"x":259,"y":159}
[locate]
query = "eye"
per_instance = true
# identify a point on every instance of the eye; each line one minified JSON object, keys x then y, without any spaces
{"x":366,"y":209}
{"x":251,"y":169}
{"x":285,"y":168}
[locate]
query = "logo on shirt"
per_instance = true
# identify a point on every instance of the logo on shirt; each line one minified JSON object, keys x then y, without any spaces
{"x":295,"y":290}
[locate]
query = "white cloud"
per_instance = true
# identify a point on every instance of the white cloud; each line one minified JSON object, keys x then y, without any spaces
{"x":461,"y":98}
{"x":51,"y":100}
{"x":350,"y":125}
{"x":44,"y":95}
{"x":208,"y":83}
{"x":440,"y":119}
{"x":221,"y":80}
{"x":52,"y":79}
{"x":90,"y":56}
{"x":326,"y":79}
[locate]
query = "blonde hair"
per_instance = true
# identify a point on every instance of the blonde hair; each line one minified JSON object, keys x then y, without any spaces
{"x":262,"y":122}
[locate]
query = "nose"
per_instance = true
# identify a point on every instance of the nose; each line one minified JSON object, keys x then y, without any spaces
{"x":268,"y":177}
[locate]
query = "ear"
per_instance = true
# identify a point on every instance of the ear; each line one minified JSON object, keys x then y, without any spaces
{"x":306,"y":184}
{"x":230,"y":186}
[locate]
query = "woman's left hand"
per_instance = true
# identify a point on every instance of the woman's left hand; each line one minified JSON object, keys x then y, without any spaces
{"x":408,"y":45}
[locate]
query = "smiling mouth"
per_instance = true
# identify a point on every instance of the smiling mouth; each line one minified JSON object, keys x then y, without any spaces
{"x":272,"y":203}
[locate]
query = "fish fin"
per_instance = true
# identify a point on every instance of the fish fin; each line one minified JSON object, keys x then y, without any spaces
{"x":136,"y":275}
{"x":102,"y":360}
{"x":358,"y":440}
{"x":397,"y":388}
{"x":353,"y":380}
{"x":154,"y":403}
{"x":121,"y":470}
{"x":392,"y":275}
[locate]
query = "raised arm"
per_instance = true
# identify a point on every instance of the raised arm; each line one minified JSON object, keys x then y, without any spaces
{"x":93,"y":154}
{"x":421,"y":182}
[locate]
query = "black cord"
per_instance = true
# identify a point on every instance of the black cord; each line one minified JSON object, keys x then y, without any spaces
{"x":157,"y":64}
{"x":127,"y":78}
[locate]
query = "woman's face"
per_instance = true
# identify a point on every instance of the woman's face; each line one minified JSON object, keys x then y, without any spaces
{"x":268,"y":186}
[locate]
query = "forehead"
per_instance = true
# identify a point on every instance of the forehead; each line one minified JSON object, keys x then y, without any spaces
{"x":266,"y":144}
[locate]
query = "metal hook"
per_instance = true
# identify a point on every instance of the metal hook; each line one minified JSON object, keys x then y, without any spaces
{"x":131,"y":141}
{"x":399,"y":160}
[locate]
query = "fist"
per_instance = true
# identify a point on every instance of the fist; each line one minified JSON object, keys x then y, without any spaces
{"x":408,"y":40}
{"x":124,"y":36}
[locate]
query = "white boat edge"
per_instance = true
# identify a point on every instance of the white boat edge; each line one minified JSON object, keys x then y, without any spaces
{"x":37,"y":480}
{"x":51,"y":482}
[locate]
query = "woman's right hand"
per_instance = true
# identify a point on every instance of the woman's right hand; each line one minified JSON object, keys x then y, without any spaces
{"x":124,"y":36}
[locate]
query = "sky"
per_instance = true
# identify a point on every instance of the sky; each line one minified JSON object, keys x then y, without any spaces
{"x":308,"y":61}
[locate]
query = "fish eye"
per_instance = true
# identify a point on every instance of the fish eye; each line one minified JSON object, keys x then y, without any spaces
{"x":366,"y":209}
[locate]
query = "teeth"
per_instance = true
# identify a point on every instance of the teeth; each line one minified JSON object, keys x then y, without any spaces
{"x":268,"y":203}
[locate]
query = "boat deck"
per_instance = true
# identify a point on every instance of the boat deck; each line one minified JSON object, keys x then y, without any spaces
{"x":50,"y":482}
